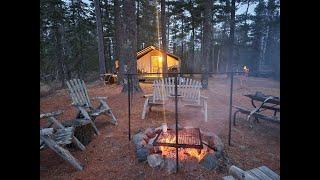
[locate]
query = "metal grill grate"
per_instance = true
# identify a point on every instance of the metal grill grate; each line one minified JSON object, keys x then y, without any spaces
{"x":187,"y":138}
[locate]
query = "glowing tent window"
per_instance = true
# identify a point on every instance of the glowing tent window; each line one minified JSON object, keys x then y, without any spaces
{"x":156,"y":64}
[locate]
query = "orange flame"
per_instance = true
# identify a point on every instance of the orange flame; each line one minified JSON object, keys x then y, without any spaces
{"x":183,"y":153}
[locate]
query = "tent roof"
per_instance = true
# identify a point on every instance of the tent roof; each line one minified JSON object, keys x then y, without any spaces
{"x":148,"y":49}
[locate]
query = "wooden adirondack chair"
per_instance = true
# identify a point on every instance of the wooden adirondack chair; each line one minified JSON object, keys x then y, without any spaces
{"x":80,"y":97}
{"x":188,"y":91}
{"x":55,"y":138}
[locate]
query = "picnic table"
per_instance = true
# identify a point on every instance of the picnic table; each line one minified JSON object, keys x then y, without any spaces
{"x":268,"y":102}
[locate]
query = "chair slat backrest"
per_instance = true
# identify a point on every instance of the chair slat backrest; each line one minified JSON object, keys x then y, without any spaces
{"x":188,"y":88}
{"x":78,"y":92}
{"x":159,"y":90}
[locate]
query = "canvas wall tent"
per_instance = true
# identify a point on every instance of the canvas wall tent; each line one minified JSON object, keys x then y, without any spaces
{"x":149,"y":60}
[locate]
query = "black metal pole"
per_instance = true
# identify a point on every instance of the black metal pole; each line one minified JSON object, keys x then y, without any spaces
{"x":176,"y":114}
{"x":230,"y":108}
{"x":129,"y":103}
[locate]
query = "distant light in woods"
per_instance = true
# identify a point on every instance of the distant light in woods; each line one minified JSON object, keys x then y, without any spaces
{"x":245,"y":69}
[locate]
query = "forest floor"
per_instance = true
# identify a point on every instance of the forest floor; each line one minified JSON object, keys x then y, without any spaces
{"x":112,"y":156}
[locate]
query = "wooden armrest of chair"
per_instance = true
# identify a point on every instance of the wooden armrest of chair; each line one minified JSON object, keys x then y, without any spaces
{"x":147,"y":95}
{"x":83,"y":112}
{"x":173,"y":95}
{"x":203,"y":97}
{"x":99,"y":97}
{"x":51,"y":114}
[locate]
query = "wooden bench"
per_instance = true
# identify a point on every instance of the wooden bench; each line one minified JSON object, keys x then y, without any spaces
{"x":188,"y":92}
{"x":260,"y":173}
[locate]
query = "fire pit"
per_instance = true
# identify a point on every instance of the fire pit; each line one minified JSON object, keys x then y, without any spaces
{"x":189,"y":144}
{"x":159,"y":148}
{"x":164,"y":147}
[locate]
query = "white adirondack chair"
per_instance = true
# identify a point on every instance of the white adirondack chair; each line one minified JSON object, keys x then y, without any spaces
{"x":80,"y":97}
{"x":188,"y":91}
{"x":55,"y":138}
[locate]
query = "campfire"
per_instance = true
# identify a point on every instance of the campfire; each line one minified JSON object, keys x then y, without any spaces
{"x":159,"y":147}
{"x":189,"y":144}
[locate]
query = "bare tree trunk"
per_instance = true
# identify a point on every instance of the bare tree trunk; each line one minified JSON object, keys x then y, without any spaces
{"x":183,"y":63}
{"x":119,"y":40}
{"x":232,"y":26}
{"x":58,"y":31}
{"x":102,"y":62}
{"x":163,"y":37}
{"x":207,"y":34}
{"x":246,"y":16}
{"x":108,"y":54}
{"x":218,"y":60}
{"x":67,"y":72}
{"x":131,"y":43}
{"x":174,"y":47}
{"x":110,"y":64}
{"x":168,"y":31}
{"x":192,"y":64}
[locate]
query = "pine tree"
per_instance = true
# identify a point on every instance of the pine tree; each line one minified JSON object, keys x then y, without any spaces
{"x":102,"y":61}
{"x":207,"y":34}
{"x":258,"y":34}
{"x":163,"y":37}
{"x":130,"y":43}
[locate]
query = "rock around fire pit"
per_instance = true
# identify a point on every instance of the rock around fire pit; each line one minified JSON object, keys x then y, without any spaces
{"x":164,"y":157}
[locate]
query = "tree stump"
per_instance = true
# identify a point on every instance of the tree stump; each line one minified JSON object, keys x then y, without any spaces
{"x":82,"y":130}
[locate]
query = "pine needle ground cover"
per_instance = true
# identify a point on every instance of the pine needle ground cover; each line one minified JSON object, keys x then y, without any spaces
{"x":112,"y":156}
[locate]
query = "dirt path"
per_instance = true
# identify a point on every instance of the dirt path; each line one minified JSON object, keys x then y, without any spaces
{"x":111,"y":155}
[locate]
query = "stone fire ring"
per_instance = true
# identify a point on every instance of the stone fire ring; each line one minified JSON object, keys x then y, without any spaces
{"x":145,"y":151}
